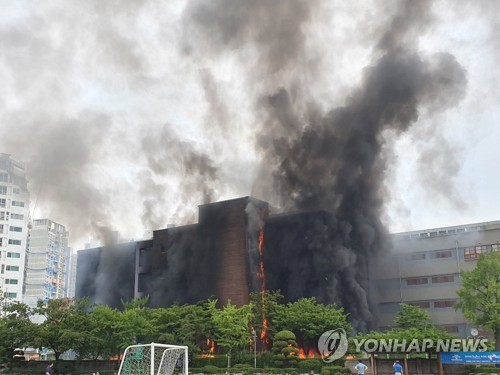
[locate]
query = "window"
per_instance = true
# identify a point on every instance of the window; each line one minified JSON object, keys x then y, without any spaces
{"x":495,"y":247}
{"x":15,"y":229}
{"x":417,"y":281}
{"x":14,"y":242}
{"x":1,"y":241}
{"x":472,"y":253}
{"x":4,"y":177}
{"x":451,"y":329}
{"x":1,"y":228}
{"x":422,"y":305}
{"x":3,"y":202}
{"x":441,"y":254}
{"x":11,"y":281}
{"x":415,"y":256}
{"x":13,"y":255}
{"x":17,"y":216}
{"x":10,"y":295}
{"x":3,"y":190}
{"x":444,"y":304}
{"x":12,"y":268}
{"x":17,"y":204}
{"x":443,"y":279}
{"x":16,"y":190}
{"x":4,"y":215}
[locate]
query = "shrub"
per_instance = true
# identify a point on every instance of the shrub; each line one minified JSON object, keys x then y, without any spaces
{"x":473,"y":369}
{"x":308,"y":365}
{"x":241,"y":366}
{"x":218,"y":360}
{"x":334,"y":370}
{"x":245,"y":358}
{"x":284,"y":349}
{"x":210,"y":369}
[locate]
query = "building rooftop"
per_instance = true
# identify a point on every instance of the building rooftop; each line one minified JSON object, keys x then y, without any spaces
{"x":446,"y":231}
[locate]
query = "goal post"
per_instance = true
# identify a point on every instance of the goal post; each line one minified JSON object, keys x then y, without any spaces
{"x":154,"y":359}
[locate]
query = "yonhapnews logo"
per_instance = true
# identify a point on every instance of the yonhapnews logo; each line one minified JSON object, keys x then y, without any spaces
{"x":333,"y":345}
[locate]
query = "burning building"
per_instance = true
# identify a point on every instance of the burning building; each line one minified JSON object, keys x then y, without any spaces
{"x":180,"y":264}
{"x":237,"y":247}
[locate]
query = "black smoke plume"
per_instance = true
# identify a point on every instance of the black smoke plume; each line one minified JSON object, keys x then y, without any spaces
{"x":332,"y":163}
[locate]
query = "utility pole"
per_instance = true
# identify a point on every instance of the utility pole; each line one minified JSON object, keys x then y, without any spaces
{"x":254,"y":348}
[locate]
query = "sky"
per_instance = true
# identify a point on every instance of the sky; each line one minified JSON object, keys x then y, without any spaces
{"x":130,"y":114}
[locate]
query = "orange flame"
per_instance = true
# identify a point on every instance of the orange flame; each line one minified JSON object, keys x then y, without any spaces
{"x":310,"y":354}
{"x":211,"y":349}
{"x":262,"y":275}
{"x":211,"y":344}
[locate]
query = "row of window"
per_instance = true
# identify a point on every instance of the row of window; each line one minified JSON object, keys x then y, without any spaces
{"x":10,"y":295}
{"x":9,"y":267}
{"x":11,"y":228}
{"x":436,"y":304}
{"x":475,"y":252}
{"x":433,"y":279}
{"x":11,"y":281}
{"x":3,"y":190}
{"x":4,"y":215}
{"x":3,"y":203}
{"x":432,"y":255}
{"x":470,"y":253}
{"x":10,"y":241}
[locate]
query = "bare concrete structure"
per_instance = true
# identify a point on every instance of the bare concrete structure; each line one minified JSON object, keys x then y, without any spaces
{"x":47,"y":261}
{"x":423,"y":269}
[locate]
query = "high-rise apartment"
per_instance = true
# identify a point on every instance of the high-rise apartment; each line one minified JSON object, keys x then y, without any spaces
{"x":14,"y":220}
{"x":47,"y":261}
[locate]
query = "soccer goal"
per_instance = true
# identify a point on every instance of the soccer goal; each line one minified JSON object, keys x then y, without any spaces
{"x":154,"y":359}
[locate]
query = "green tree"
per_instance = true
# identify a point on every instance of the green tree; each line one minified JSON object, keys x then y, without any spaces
{"x":189,"y":325}
{"x":16,"y":328}
{"x":232,"y":325}
{"x":413,"y":317}
{"x":412,"y":323}
{"x":59,"y":330}
{"x":265,"y":307}
{"x":480,"y":294}
{"x":99,"y":339}
{"x":285,"y":352}
{"x":309,"y":319}
{"x":134,"y":324}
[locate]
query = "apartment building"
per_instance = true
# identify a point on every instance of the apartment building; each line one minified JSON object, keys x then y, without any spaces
{"x":423,"y":269}
{"x":14,"y":221}
{"x":47,"y":261}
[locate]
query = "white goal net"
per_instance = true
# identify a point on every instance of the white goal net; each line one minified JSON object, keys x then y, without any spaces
{"x":154,"y":359}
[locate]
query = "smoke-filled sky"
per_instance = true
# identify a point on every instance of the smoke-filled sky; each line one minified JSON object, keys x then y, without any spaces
{"x":129,"y":114}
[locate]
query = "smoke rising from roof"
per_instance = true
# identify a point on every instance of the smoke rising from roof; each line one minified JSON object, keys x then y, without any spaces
{"x":335,"y":160}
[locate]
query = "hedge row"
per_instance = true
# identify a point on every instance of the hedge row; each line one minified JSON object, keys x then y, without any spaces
{"x":248,"y":370}
{"x":477,"y":369}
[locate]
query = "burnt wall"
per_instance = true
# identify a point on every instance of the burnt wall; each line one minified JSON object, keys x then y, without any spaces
{"x":106,"y":274}
{"x":296,"y":255}
{"x":183,"y":270}
{"x":223,"y":227}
